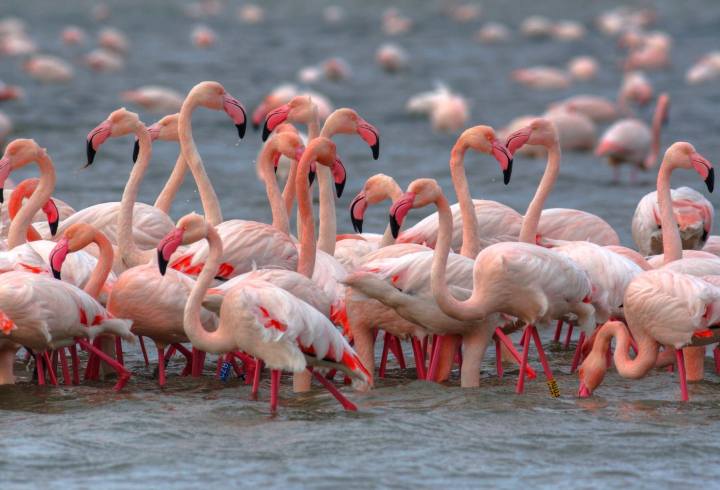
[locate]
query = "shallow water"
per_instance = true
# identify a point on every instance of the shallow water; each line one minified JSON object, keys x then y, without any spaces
{"x":407,"y":433}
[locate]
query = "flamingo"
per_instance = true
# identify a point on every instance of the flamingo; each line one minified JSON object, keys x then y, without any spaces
{"x":284,"y":93}
{"x":492,"y":33}
{"x":49,"y":69}
{"x":263,"y":320}
{"x":631,"y":141}
{"x":583,"y":68}
{"x":50,"y":209}
{"x":154,"y":98}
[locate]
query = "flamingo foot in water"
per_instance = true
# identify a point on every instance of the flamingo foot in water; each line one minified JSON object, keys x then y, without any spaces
{"x":347,"y":404}
{"x":681,"y":372}
{"x":144,"y":351}
{"x":123,"y":374}
{"x":578,"y":353}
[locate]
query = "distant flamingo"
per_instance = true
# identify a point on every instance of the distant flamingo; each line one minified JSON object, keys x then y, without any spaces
{"x":154,"y":98}
{"x":49,"y":69}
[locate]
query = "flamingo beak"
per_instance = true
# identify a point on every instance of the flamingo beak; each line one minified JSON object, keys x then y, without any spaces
{"x":58,"y":255}
{"x":584,"y":391}
{"x":258,"y":115}
{"x":167,"y":247}
{"x":5,"y":169}
{"x":311,"y":173}
{"x":517,"y":139}
{"x":357,"y":211}
{"x":236,"y":111}
{"x":53,"y":216}
{"x":399,"y":210}
{"x":154,"y":131}
{"x":340,"y":177}
{"x":371,"y":136}
{"x":274,"y":119}
{"x":95,"y":138}
{"x":703,"y":166}
{"x":504,"y":158}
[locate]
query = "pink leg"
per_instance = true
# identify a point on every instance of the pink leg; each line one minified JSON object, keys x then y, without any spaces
{"x":274,"y":389}
{"x":75,"y":365}
{"x":419,"y":358}
{"x":64,"y":366}
{"x":161,"y":365}
{"x":498,"y":358}
{"x":199,"y":362}
{"x":347,"y":404}
{"x":396,"y":348}
{"x":384,"y":357}
{"x":716,"y":356}
{"x":435,"y":358}
{"x":568,"y":337}
{"x":188,"y":358}
{"x":578,"y":353}
{"x":681,"y":372}
{"x":459,"y":355}
{"x":256,"y":378}
{"x":119,"y":350}
{"x":513,"y":351}
{"x":552,"y":384}
{"x":558,"y":331}
{"x":219,"y":366}
{"x":123,"y":374}
{"x":520,"y":388}
{"x":425,"y":342}
{"x":144,"y":351}
{"x":40,"y":369}
{"x":50,"y":368}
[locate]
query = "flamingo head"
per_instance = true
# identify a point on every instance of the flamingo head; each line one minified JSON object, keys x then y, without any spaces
{"x":420,"y":193}
{"x":58,"y":255}
{"x":482,"y":139}
{"x":288,"y":144}
{"x":377,"y":188}
{"x":591,"y":373}
{"x":120,"y":123}
{"x":18,"y":153}
{"x":76,"y":237}
{"x":323,"y":151}
{"x":684,"y":155}
{"x":213,"y":95}
{"x":347,"y":121}
{"x":53,"y":216}
{"x":190,"y":228}
{"x":300,"y":109}
{"x":540,"y":131}
{"x":166,"y":129}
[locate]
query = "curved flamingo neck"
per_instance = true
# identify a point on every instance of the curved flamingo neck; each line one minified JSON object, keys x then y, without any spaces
{"x":531,"y":220}
{"x":221,"y":340}
{"x":288,"y":194}
{"x":657,"y":122}
{"x":166,"y":197}
{"x":277,"y":205}
{"x":473,"y":307}
{"x":130,"y":254}
{"x":672,"y":244}
{"x":20,"y":225}
{"x":471,"y":228}
{"x":627,"y":367}
{"x":189,"y":152}
{"x":22,"y":190}
{"x":393,"y":192}
{"x":306,"y":260}
{"x":102,"y":268}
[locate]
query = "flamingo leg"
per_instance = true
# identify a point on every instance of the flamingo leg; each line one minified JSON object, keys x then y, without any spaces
{"x":520,"y":388}
{"x":347,"y":404}
{"x":397,"y":351}
{"x":552,"y":384}
{"x":64,"y":366}
{"x":256,"y":378}
{"x":274,"y":389}
{"x":384,"y":356}
{"x":123,"y":374}
{"x":75,"y":365}
{"x":498,"y":358}
{"x":50,"y":368}
{"x":188,"y":358}
{"x":568,"y":337}
{"x":144,"y":351}
{"x":716,"y":356}
{"x":119,"y":350}
{"x":578,"y":353}
{"x":161,"y":365}
{"x":513,"y":351}
{"x":419,"y":357}
{"x":681,"y":372}
{"x":198,"y":362}
{"x":40,"y":369}
{"x":558,"y":331}
{"x":435,"y":357}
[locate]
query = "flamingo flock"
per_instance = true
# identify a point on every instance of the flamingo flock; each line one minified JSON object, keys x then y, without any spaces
{"x":79,"y":287}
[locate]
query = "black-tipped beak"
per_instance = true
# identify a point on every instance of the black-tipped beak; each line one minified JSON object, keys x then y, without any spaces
{"x":394,"y":226}
{"x":90,"y":153}
{"x":136,"y":150}
{"x":376,"y":150}
{"x":311,"y":177}
{"x":2,"y":195}
{"x":710,"y":181}
{"x":266,"y":131}
{"x":507,"y":173}
{"x":241,"y":129}
{"x":54,"y":227}
{"x":55,"y":273}
{"x":339,"y":187}
{"x":162,"y":263}
{"x":357,"y":224}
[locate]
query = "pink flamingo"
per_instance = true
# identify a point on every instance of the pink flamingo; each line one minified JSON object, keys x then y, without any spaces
{"x":154,"y":98}
{"x":632,"y":141}
{"x":50,"y":210}
{"x":281,"y":95}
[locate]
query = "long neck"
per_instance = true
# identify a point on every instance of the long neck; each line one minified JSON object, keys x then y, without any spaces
{"x":130,"y":254}
{"x":471,"y":228}
{"x":672,"y":245}
{"x":627,"y":367}
{"x":288,"y":194}
{"x":657,"y":121}
{"x":472,"y":308}
{"x":221,"y":340}
{"x":102,"y":268}
{"x":306,"y":260}
{"x":394,"y":193}
{"x":14,"y":206}
{"x":328,"y":218}
{"x":172,"y":186}
{"x":210,"y":202}
{"x":531,"y":220}
{"x":277,"y":205}
{"x":21,"y":223}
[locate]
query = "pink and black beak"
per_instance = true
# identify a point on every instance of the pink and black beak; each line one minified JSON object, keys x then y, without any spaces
{"x":274,"y":119}
{"x":399,"y":210}
{"x":154,"y":131}
{"x":703,"y":166}
{"x":5,"y":169}
{"x":236,"y":111}
{"x":339,"y":176}
{"x":258,"y":115}
{"x":167,"y":247}
{"x":95,"y":138}
{"x":53,"y":216}
{"x":357,"y":211}
{"x":57,"y":256}
{"x":370,"y":134}
{"x":504,"y":158}
{"x":312,"y":172}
